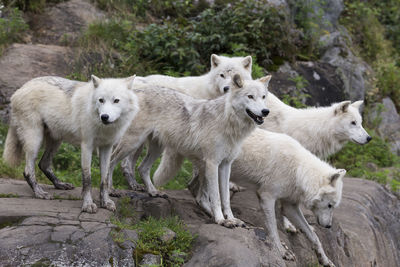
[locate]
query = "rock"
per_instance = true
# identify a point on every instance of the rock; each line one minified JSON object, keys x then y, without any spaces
{"x":23,"y":62}
{"x":388,"y":121}
{"x":322,"y":82}
{"x":62,"y":23}
{"x":352,"y":70}
{"x":168,"y":235}
{"x":130,"y":234}
{"x":150,"y":260}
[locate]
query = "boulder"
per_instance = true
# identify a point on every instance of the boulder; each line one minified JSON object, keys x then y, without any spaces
{"x":385,"y":115}
{"x":23,"y":62}
{"x":62,"y":23}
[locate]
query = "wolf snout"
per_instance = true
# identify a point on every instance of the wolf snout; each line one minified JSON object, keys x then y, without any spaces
{"x":104,"y":118}
{"x":265,"y":112}
{"x":328,"y":226}
{"x":226,"y":89}
{"x":369,"y":138}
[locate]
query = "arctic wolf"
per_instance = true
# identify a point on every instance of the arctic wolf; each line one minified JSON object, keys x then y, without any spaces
{"x":53,"y":109}
{"x":282,"y":169}
{"x":208,"y":86}
{"x":208,"y":132}
{"x":323,"y":130}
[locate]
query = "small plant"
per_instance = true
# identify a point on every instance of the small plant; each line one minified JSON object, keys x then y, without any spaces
{"x":12,"y":26}
{"x":298,"y":97}
{"x":2,"y":195}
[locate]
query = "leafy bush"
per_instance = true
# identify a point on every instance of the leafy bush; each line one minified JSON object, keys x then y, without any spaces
{"x":12,"y":25}
{"x":355,"y":159}
{"x":35,"y":6}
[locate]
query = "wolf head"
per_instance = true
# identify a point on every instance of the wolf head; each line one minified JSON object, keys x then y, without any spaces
{"x":348,"y":123}
{"x":248,"y":98}
{"x":113,"y":98}
{"x":328,"y":197}
{"x":224,"y":68}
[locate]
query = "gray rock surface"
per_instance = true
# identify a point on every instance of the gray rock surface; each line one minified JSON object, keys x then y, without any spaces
{"x":23,"y":62}
{"x":365,"y":232}
{"x":388,"y":119}
{"x":62,"y":23}
{"x":54,"y":232}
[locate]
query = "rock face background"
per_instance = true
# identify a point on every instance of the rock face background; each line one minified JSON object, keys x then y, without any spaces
{"x":365,"y":232}
{"x":366,"y":229}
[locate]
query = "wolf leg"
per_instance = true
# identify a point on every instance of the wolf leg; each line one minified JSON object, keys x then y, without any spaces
{"x":294,"y":213}
{"x":86,"y":160}
{"x":128,"y":169}
{"x":51,"y":147}
{"x":212,"y":189}
{"x":32,"y":139}
{"x":169,"y":166}
{"x":105,"y":155}
{"x":267,"y":203}
{"x":153,"y":152}
{"x":224,"y":175}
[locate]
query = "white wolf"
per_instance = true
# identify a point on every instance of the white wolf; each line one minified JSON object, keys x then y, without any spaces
{"x":323,"y":130}
{"x":208,"y":86}
{"x":282,"y":169}
{"x":208,"y":132}
{"x":53,"y":109}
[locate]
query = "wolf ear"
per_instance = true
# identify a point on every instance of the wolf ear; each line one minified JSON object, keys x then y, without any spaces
{"x":339,"y":174}
{"x":357,"y":104}
{"x":265,"y":80}
{"x":215,"y":61}
{"x":237,"y":81}
{"x":247,"y":62}
{"x":95,"y":80}
{"x":130,"y":82}
{"x":342,"y":107}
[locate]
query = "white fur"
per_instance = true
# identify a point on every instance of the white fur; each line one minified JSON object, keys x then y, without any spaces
{"x":283,"y":170}
{"x":323,"y":130}
{"x":208,"y":86}
{"x":209,"y":132}
{"x":56,"y":110}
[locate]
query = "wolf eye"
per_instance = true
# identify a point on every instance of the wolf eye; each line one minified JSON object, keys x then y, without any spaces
{"x":353,"y":122}
{"x":222,"y":75}
{"x":101,"y":100}
{"x":250,"y":96}
{"x":263,"y":96}
{"x":329,"y":206}
{"x":116,"y":100}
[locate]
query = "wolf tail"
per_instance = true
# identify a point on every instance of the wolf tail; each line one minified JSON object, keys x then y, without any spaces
{"x":12,"y":154}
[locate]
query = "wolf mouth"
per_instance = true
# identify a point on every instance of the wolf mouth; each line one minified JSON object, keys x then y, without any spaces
{"x":257,"y":119}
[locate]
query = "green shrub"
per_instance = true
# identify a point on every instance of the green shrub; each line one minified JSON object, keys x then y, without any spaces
{"x":36,"y":6}
{"x":12,"y":26}
{"x":388,"y":81}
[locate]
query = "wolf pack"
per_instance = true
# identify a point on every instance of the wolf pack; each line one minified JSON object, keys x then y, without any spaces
{"x":227,"y":124}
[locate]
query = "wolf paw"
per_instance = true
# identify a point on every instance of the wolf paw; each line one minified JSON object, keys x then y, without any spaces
{"x":289,"y":227}
{"x":137,"y":187}
{"x":236,"y":188}
{"x":328,"y":263}
{"x":64,"y":186}
{"x":158,"y":194}
{"x":288,"y":255}
{"x":231,"y":223}
{"x":40,"y":193}
{"x":89,"y":207}
{"x":108,"y":204}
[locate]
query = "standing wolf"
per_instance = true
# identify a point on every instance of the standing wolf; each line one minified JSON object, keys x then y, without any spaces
{"x":208,"y":132}
{"x":281,"y":169}
{"x":208,"y":86}
{"x":302,"y":179}
{"x":53,"y":109}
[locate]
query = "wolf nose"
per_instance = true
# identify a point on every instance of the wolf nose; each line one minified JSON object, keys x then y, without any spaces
{"x":226,"y":89}
{"x":104,"y":117}
{"x":369,"y":138}
{"x":328,"y":226}
{"x":265,"y":112}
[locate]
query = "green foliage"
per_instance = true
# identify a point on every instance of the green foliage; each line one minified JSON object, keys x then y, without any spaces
{"x":150,"y":232}
{"x":3,"y":195}
{"x":388,"y":81}
{"x":297,"y":98}
{"x":36,"y":6}
{"x":12,"y":26}
{"x":355,"y":159}
{"x":309,"y":18}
